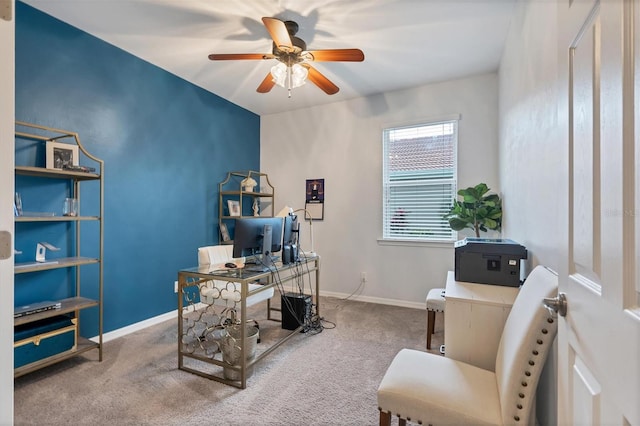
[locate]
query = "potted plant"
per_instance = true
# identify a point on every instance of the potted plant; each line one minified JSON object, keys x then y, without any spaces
{"x":477,"y":210}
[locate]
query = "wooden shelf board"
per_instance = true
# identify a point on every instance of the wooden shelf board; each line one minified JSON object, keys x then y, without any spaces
{"x":63,"y":262}
{"x":250,"y":194}
{"x":83,"y":345}
{"x":70,"y":304}
{"x":55,"y":218}
{"x":55,"y":173}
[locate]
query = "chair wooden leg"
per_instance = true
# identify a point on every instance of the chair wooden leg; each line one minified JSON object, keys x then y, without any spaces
{"x":402,"y":422}
{"x":431,"y":323}
{"x":385,"y":418}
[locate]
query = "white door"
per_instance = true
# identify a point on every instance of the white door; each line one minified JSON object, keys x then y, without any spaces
{"x":599,"y":338}
{"x":7,"y":141}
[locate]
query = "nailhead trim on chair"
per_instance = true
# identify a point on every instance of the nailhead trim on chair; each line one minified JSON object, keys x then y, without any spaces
{"x":399,"y":416}
{"x":527,"y":373}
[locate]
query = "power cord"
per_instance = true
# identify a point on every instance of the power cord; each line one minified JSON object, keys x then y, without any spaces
{"x":354,"y":291}
{"x":313,"y":324}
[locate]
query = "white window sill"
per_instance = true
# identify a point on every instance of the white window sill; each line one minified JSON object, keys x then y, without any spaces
{"x":414,"y":243}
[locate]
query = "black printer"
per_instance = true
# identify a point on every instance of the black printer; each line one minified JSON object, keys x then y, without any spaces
{"x":489,"y":261}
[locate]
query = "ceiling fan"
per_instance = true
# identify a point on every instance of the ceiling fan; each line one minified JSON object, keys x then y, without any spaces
{"x":291,"y":52}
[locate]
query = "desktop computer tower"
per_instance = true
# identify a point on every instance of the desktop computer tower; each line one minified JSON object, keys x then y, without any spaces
{"x":301,"y":307}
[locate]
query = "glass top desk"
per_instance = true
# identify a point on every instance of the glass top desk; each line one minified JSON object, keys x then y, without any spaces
{"x":204,"y":326}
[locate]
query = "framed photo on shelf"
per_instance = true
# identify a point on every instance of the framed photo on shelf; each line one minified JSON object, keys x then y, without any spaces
{"x":224,"y":232}
{"x":61,"y":154}
{"x":234,"y":207}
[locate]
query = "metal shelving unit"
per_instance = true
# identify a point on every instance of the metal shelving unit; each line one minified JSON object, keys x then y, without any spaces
{"x":75,"y":303}
{"x":231,"y":188}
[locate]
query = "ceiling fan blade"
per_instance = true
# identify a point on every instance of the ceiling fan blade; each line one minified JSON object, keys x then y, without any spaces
{"x":233,"y":56}
{"x":278,"y":31}
{"x":266,"y":85}
{"x":349,"y":55}
{"x":321,"y":81}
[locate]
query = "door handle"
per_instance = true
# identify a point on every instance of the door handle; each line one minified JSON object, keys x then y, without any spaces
{"x":556,"y":305}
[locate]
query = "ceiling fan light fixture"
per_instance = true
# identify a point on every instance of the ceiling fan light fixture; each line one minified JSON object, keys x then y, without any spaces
{"x":289,"y":77}
{"x":298,"y":75}
{"x":279,"y":74}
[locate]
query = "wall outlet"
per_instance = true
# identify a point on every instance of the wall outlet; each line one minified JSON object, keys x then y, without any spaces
{"x":363,"y":277}
{"x":175,"y":286}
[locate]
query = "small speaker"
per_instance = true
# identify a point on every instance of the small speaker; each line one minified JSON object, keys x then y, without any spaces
{"x":289,"y":254}
{"x":299,"y":313}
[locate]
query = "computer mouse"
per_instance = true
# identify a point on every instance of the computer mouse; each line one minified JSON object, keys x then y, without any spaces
{"x":230,"y":265}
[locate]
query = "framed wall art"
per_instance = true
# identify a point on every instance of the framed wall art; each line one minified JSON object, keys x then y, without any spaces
{"x":61,"y":154}
{"x":314,"y":199}
{"x":224,"y":232}
{"x":234,"y":207}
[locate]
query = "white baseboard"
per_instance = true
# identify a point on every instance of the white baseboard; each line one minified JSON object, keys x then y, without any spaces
{"x":106,"y":337}
{"x":378,"y":300}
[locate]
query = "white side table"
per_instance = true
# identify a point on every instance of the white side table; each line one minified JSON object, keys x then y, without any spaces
{"x":473,"y":320}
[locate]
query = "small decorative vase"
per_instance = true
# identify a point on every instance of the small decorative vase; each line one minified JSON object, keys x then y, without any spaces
{"x":248,"y":184}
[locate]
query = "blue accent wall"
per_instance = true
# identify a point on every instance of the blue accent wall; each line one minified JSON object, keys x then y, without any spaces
{"x":166,"y":144}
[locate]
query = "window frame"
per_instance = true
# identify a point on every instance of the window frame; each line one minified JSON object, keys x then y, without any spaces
{"x":387,"y":237}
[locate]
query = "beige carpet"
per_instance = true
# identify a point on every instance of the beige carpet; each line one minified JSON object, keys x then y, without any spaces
{"x":322,"y":379}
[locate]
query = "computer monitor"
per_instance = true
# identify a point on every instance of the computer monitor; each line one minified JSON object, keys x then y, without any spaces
{"x":290,"y":239}
{"x":259,"y":237}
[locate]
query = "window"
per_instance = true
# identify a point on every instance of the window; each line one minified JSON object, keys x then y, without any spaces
{"x":419,"y":178}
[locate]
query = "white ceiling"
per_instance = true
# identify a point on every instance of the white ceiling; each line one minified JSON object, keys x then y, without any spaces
{"x":406,"y":43}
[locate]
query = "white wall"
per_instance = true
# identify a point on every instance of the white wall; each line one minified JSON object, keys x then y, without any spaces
{"x":342,"y":143}
{"x":7,"y":142}
{"x":532,"y":161}
{"x":532,"y":157}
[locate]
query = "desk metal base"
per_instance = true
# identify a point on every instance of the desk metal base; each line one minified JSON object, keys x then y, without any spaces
{"x":202,"y":336}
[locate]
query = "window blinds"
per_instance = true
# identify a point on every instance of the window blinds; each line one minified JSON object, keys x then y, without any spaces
{"x":419,"y":178}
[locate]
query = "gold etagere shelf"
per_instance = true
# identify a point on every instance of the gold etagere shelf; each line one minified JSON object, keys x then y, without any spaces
{"x":248,"y":189}
{"x":75,"y":303}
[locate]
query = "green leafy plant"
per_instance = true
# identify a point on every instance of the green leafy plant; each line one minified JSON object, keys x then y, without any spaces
{"x":476,"y":211}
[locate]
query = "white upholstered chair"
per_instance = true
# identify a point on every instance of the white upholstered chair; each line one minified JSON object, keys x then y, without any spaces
{"x":430,"y":389}
{"x":222,"y":292}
